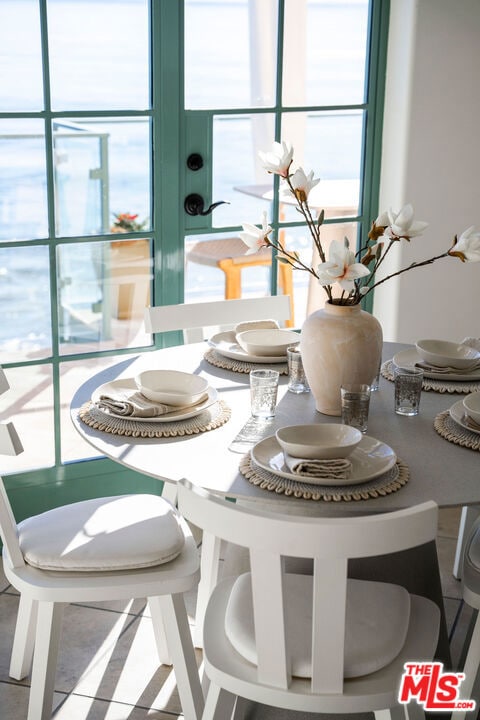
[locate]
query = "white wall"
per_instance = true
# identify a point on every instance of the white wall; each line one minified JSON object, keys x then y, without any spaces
{"x":431,"y":158}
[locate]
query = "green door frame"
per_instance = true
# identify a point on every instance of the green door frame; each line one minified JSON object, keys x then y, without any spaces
{"x":175,"y":133}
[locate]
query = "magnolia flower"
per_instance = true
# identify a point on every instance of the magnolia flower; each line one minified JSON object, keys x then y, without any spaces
{"x":302,"y":184}
{"x":341,"y":267}
{"x":254,"y":236}
{"x":278,"y":161}
{"x":467,"y":248}
{"x":402,"y":224}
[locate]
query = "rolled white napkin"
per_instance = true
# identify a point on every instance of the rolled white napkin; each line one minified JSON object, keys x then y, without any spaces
{"x":134,"y":404}
{"x":256,"y":325}
{"x":334,"y":469}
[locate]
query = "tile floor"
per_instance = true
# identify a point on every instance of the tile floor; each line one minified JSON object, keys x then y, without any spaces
{"x":107,"y":668}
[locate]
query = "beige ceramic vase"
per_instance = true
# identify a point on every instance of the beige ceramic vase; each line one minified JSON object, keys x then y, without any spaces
{"x":339,"y":344}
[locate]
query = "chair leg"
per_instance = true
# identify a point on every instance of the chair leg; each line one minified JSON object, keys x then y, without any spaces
{"x":169,"y":492}
{"x":242,"y":708}
{"x":470,"y":669}
{"x":159,"y":631}
{"x":179,"y":640}
{"x":467,"y":518}
{"x":49,"y":627}
{"x":209,"y":563}
{"x":414,"y":711}
{"x":24,"y":639}
{"x":219,"y":704}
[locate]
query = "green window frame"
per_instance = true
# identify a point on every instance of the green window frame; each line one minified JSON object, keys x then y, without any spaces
{"x":174,"y":128}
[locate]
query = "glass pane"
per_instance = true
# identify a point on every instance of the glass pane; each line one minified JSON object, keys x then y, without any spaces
{"x":230,"y":53}
{"x":204,"y":278}
{"x":25,"y":329}
{"x":99,"y":55}
{"x":29,"y":405}
{"x":72,"y":375}
{"x":21,"y":86}
{"x":23,"y":202}
{"x":104,"y":288}
{"x":244,"y":183}
{"x":102,"y":169}
{"x":330,"y":144}
{"x":324,"y":52}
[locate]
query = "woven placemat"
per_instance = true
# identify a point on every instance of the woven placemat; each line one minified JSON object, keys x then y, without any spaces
{"x":446,"y":426}
{"x":213,"y":417}
{"x":437,"y":385}
{"x":240,"y":366}
{"x":387,"y":483}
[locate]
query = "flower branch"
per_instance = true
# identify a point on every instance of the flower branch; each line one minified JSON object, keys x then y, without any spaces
{"x":349,"y":270}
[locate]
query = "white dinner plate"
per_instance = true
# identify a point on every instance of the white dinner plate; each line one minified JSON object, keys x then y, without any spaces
{"x":457,"y":413}
{"x":128,"y":384}
{"x":226,"y":344}
{"x":406,"y":358}
{"x":369,"y":460}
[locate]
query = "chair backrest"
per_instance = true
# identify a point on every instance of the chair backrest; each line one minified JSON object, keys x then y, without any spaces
{"x":9,"y":445}
{"x":192,"y":318}
{"x":329,"y":542}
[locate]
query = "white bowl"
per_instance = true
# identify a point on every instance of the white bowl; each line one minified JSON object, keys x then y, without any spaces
{"x":471,"y":403}
{"x":321,"y":441}
{"x":447,"y":354}
{"x":265,"y":342}
{"x":171,"y":386}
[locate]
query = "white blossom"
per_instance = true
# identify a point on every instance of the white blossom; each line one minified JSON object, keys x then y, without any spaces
{"x":341,"y":267}
{"x":255,"y":237}
{"x":402,"y":224}
{"x":302,"y":184}
{"x":467,"y":247}
{"x":279,"y":159}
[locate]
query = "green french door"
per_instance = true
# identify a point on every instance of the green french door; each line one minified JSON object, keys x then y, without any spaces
{"x":102,"y":108}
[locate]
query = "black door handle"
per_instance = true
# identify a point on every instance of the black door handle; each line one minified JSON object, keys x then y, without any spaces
{"x":194,"y":205}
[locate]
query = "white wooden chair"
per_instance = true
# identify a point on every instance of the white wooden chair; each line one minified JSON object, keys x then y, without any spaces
{"x":264,"y":643}
{"x":194,"y":318}
{"x":471,"y":595}
{"x":115,"y":548}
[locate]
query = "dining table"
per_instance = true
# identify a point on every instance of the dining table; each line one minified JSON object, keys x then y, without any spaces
{"x":434,"y":467}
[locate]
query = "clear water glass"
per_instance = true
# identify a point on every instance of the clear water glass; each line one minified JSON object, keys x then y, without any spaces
{"x":376,"y":380}
{"x":263,"y":392}
{"x":298,"y":382}
{"x":408,"y":390}
{"x":355,"y":405}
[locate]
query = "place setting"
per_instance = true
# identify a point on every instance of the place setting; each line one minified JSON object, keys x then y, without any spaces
{"x":328,"y":461}
{"x":321,"y":461}
{"x":155,"y":403}
{"x":460,"y":424}
{"x":447,"y":367}
{"x":251,"y":345}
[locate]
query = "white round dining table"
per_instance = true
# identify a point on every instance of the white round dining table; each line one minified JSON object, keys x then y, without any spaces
{"x":438,"y":469}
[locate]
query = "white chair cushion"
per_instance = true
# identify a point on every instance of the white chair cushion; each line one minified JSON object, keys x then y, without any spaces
{"x":112,"y":533}
{"x":376,"y":623}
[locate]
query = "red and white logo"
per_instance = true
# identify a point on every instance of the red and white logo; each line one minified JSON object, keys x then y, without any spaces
{"x":426,"y":683}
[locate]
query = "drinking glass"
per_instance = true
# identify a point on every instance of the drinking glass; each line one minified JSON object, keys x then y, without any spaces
{"x":355,"y":405}
{"x":408,"y":389}
{"x":263,"y":392}
{"x":376,"y":380}
{"x":298,"y":382}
